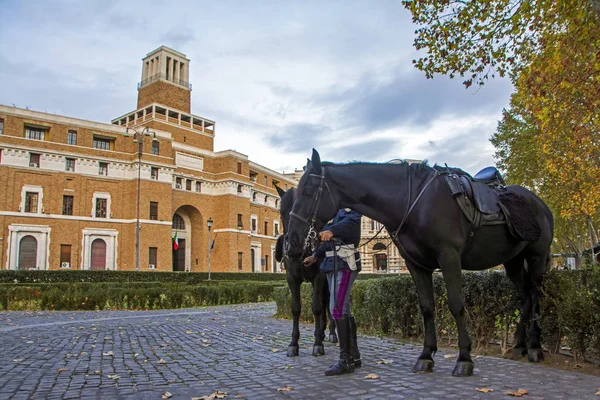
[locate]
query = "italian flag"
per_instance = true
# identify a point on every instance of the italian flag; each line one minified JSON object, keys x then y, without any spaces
{"x":175,"y":242}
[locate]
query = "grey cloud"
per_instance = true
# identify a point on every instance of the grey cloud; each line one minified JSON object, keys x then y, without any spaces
{"x":374,"y":150}
{"x":178,"y":38}
{"x":299,"y":137}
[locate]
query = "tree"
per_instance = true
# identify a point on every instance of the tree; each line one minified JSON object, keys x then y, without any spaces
{"x":479,"y":39}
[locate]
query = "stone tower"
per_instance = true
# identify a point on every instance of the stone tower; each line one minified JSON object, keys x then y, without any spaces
{"x":165,"y":80}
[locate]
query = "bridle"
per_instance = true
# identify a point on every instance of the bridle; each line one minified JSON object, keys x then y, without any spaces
{"x":311,"y":236}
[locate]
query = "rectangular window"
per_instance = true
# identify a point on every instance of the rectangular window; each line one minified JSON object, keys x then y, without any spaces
{"x":100,"y":208}
{"x":34,"y":160}
{"x":276,"y":229}
{"x":239,"y":168}
{"x":31,"y":202}
{"x":266,"y":228}
{"x":188,"y":184}
{"x":239,"y":188}
{"x":152,"y":257}
{"x":253,"y":227}
{"x":154,"y":173}
{"x":1,"y":126}
{"x":253,"y":176}
{"x":103,"y":168}
{"x":198,"y":187}
{"x":70,"y":164}
{"x":240,"y":224}
{"x":67,"y":205}
{"x":265,"y":180}
{"x":154,"y":210}
{"x":240,"y":258}
{"x":72,"y":137}
{"x":102,"y":144}
{"x":178,"y":183}
{"x":35,"y":133}
{"x":65,"y":256}
{"x":155,"y":147}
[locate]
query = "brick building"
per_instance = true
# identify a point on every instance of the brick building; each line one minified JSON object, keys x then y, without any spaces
{"x":69,"y":187}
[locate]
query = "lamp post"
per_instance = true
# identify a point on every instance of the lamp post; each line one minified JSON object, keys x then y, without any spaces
{"x":138,"y":137}
{"x":209,"y":223}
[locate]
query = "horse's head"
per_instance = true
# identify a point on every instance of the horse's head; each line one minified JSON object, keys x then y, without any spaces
{"x":286,"y":203}
{"x":315,"y":202}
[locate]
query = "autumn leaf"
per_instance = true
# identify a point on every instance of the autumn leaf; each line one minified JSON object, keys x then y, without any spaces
{"x":239,"y":396}
{"x":372,"y":376}
{"x":285,"y":389}
{"x":161,"y":361}
{"x":450,"y":355}
{"x":257,"y":338}
{"x":518,"y":393}
{"x":114,"y":376}
{"x":17,"y":360}
{"x":275,"y":350}
{"x":216,"y":395}
{"x":484,"y":390}
{"x":166,"y":395}
{"x":61,"y":370}
{"x":598,"y":392}
{"x":384,"y":361}
{"x":108,"y":353}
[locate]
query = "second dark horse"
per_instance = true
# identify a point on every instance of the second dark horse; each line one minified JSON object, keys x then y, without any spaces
{"x":297,"y":273}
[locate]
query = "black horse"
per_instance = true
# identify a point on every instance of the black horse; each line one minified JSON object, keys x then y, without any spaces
{"x":418,"y":205}
{"x":297,"y":273}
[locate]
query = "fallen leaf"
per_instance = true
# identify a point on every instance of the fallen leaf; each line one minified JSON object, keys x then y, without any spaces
{"x":205,"y":341}
{"x":161,"y":361}
{"x":275,"y":350}
{"x":188,"y":332}
{"x":135,"y":355}
{"x":239,"y":396}
{"x":484,"y":390}
{"x":518,"y":393}
{"x":216,"y":395}
{"x":29,"y":342}
{"x":257,"y":338}
{"x":284,"y":389}
{"x":108,"y":353}
{"x":450,"y":355}
{"x":166,"y":395}
{"x":17,"y":360}
{"x":598,"y":392}
{"x":171,"y":381}
{"x":114,"y":376}
{"x":372,"y":376}
{"x":61,"y":370}
{"x":383,"y":361}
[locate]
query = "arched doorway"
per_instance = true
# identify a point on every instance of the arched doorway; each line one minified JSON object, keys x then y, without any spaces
{"x":98,"y":259}
{"x":28,"y":253}
{"x":188,"y":244}
{"x":380,"y":258}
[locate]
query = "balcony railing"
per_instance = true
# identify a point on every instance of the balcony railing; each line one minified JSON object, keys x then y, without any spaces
{"x":162,"y":75}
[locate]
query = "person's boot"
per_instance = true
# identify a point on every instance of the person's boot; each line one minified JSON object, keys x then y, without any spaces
{"x":345,"y":364}
{"x":353,"y":344}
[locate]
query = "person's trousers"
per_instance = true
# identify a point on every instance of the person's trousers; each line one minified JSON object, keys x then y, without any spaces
{"x":339,"y":298}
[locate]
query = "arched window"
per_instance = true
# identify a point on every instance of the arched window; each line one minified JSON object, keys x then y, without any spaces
{"x":276,"y":203}
{"x":266,"y":199}
{"x":178,"y":222}
{"x":98,"y":255}
{"x":254,"y":196}
{"x":379,"y":246}
{"x":28,"y":253}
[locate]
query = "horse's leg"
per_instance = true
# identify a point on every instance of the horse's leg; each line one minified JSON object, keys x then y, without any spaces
{"x":332,"y":333}
{"x":296,"y":308}
{"x":424,"y":283}
{"x":538,"y":266}
{"x":317,"y":308}
{"x":515,"y":270}
{"x":451,"y":268}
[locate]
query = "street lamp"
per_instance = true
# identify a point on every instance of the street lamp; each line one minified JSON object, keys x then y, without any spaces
{"x":209,"y":223}
{"x":138,"y":137}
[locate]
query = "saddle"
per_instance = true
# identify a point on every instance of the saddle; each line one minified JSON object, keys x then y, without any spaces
{"x":485,"y":200}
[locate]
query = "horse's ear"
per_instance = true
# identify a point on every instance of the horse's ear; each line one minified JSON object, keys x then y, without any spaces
{"x":279,"y":249}
{"x":280,"y":191}
{"x":316,"y":161}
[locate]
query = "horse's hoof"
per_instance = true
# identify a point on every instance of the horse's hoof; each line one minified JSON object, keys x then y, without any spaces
{"x":333,"y":338}
{"x":423,"y":365}
{"x":518,"y":352}
{"x":535,"y":355}
{"x":292,"y":351}
{"x":318,"y":350}
{"x":463,"y":368}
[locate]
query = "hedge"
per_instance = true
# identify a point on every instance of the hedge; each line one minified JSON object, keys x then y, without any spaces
{"x":35,"y":276}
{"x":130,"y":296}
{"x":570,"y":309}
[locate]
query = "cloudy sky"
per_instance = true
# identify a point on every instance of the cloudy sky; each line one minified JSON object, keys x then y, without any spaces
{"x":278,"y":77}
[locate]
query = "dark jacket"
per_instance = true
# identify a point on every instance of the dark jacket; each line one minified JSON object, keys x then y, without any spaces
{"x":346,"y":229}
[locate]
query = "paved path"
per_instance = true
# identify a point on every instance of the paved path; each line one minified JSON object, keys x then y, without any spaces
{"x":240,"y":350}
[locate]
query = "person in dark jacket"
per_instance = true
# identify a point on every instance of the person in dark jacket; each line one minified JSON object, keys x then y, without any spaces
{"x":344,"y":233}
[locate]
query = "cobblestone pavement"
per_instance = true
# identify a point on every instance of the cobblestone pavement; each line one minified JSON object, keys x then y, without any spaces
{"x":240,"y":350}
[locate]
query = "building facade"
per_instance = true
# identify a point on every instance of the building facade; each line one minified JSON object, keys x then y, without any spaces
{"x":70,"y":187}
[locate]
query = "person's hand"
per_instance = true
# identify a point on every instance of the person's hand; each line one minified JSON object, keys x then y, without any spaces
{"x":310,"y":260}
{"x":326,"y":236}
